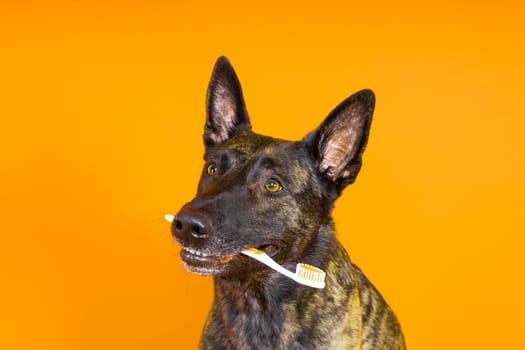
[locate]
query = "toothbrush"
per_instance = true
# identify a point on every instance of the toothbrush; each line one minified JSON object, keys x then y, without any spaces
{"x":304,"y":274}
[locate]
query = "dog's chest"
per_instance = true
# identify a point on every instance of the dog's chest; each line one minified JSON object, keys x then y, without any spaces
{"x":296,"y":323}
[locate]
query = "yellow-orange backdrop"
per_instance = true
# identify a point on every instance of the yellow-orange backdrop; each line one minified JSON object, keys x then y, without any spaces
{"x":102,"y":109}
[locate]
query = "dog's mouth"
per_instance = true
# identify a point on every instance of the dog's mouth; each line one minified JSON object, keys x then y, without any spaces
{"x":270,"y":249}
{"x":204,"y":263}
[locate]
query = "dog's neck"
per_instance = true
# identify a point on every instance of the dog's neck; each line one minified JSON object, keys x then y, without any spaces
{"x":254,"y":306}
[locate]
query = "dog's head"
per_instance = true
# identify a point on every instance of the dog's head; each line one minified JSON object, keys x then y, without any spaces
{"x":257,"y":191}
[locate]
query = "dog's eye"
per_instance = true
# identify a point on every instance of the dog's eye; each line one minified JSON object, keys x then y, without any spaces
{"x":273,"y":186}
{"x":211,"y":169}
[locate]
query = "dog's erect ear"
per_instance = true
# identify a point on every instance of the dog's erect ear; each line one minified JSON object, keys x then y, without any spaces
{"x":340,"y":140}
{"x":226,"y":113}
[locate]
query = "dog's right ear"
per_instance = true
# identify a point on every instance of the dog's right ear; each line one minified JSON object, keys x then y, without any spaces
{"x":226,"y":113}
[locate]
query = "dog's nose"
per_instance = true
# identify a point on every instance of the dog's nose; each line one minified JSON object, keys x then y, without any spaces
{"x":191,"y":222}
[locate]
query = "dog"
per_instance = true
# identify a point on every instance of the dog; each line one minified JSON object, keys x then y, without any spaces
{"x":277,"y":196}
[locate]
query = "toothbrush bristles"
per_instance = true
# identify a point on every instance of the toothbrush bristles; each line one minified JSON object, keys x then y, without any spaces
{"x":310,"y":273}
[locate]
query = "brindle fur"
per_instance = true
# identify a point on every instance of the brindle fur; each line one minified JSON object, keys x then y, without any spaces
{"x":255,"y":307}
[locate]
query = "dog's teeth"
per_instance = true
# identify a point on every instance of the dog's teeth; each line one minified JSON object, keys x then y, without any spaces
{"x":206,"y":254}
{"x":195,"y":252}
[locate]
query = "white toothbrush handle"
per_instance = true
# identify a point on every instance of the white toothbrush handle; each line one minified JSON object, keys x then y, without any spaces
{"x":265,"y":259}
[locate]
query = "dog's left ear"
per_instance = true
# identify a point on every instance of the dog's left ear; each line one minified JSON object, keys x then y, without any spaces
{"x":226,"y":113}
{"x":338,"y":143}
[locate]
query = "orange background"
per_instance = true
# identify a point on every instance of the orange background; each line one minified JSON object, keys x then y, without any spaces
{"x":102,"y":111}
